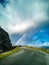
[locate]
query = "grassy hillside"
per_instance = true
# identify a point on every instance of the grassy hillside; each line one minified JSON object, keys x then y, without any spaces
{"x":5,"y":54}
{"x":37,"y":48}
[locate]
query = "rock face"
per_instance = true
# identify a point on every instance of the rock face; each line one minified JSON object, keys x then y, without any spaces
{"x":5,"y":42}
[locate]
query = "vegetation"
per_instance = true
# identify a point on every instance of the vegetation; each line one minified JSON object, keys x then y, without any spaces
{"x":39,"y":49}
{"x":5,"y":54}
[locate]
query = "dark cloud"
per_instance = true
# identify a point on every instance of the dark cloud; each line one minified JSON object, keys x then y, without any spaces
{"x":3,"y":2}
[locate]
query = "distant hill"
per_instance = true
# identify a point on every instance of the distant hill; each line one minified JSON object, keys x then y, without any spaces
{"x":45,"y":47}
{"x":5,"y":43}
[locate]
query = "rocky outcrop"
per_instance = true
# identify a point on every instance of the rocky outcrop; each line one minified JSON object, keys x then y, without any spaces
{"x":5,"y":42}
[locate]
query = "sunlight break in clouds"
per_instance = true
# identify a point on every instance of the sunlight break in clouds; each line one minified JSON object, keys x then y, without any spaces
{"x":21,"y":27}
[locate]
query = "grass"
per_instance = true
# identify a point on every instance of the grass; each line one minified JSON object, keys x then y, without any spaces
{"x":38,"y":49}
{"x":5,"y":54}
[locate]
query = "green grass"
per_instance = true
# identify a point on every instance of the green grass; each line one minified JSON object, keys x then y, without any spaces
{"x":38,"y":49}
{"x":5,"y":54}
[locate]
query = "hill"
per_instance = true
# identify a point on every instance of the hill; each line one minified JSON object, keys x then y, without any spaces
{"x":5,"y":43}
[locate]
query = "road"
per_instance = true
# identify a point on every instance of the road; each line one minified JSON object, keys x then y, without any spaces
{"x":26,"y":57}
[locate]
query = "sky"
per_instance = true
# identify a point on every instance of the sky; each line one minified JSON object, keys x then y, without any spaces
{"x":38,"y":38}
{"x":19,"y":16}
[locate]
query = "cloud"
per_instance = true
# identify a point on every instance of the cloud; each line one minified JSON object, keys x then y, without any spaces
{"x":4,"y":2}
{"x":38,"y":17}
{"x":45,"y":44}
{"x":20,"y":16}
{"x":20,"y":28}
{"x":39,"y":45}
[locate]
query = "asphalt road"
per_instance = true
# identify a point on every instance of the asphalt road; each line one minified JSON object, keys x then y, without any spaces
{"x":26,"y":57}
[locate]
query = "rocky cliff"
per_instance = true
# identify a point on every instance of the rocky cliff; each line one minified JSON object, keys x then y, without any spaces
{"x":5,"y":42}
